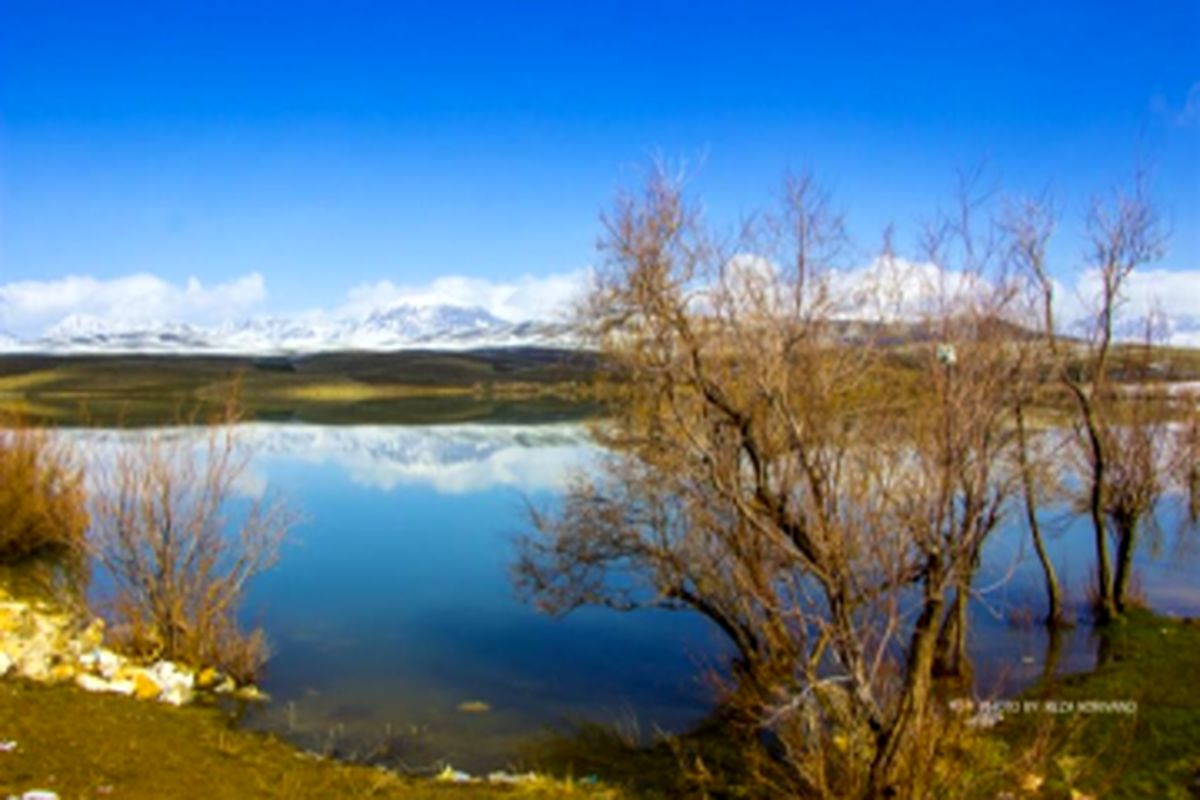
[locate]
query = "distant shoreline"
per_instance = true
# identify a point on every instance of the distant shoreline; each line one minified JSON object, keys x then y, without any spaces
{"x":510,"y":384}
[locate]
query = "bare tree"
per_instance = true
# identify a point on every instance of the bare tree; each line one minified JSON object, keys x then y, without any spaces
{"x":180,"y":555}
{"x":786,"y":474}
{"x":1028,"y":226}
{"x":974,"y":370}
{"x":1187,"y":464}
{"x":1124,"y":233}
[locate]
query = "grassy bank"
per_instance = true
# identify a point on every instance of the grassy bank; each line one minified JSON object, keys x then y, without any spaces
{"x":88,"y":745}
{"x":83,"y":745}
{"x":1098,"y":748}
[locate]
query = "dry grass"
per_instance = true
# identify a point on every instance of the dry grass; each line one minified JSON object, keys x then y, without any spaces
{"x":42,"y":498}
{"x":10,"y":384}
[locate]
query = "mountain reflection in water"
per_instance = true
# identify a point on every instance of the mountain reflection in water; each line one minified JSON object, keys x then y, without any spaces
{"x":396,"y":633}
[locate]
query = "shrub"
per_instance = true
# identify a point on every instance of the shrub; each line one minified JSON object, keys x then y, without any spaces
{"x":43,"y":504}
{"x":179,"y":557}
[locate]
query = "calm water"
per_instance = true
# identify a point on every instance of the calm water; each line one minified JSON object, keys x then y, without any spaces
{"x":393,"y":604}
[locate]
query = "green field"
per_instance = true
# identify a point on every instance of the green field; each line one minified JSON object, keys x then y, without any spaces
{"x":517,"y":384}
{"x":405,"y":387}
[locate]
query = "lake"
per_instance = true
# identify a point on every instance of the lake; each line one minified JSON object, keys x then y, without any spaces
{"x":393,"y":605}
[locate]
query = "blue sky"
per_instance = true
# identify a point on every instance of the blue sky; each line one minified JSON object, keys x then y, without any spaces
{"x":289,"y":155}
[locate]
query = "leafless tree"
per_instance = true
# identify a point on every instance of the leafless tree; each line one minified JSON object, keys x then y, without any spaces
{"x":1124,"y":232}
{"x":785,"y":473}
{"x":180,"y":554}
{"x":1028,"y":226}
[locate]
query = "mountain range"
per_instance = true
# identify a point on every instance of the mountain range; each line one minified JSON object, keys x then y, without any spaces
{"x":400,"y":327}
{"x":405,"y":326}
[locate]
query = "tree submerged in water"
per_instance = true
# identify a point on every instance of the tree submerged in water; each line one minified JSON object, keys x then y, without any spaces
{"x":811,"y":461}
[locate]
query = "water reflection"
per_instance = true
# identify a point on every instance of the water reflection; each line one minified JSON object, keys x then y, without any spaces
{"x":451,"y":459}
{"x":397,"y":635}
{"x":394,"y":619}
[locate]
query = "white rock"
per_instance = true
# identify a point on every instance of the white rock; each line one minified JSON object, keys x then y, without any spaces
{"x":176,"y":695}
{"x":39,"y":794}
{"x":5,"y":663}
{"x":176,"y":683}
{"x":34,"y":663}
{"x":169,"y":674}
{"x":107,"y":662}
{"x":90,"y":683}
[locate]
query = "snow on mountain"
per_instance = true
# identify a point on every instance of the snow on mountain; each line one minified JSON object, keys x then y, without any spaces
{"x":402,"y":326}
{"x":80,"y":332}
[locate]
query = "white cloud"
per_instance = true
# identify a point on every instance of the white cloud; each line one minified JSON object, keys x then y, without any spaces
{"x":31,"y":306}
{"x":1169,"y":296}
{"x":894,"y":288}
{"x":527,"y":298}
{"x":450,"y":459}
{"x":897,"y":289}
{"x":1174,"y":292}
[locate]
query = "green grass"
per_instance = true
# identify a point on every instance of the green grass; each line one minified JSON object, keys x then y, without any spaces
{"x":1155,"y":753}
{"x":83,"y":745}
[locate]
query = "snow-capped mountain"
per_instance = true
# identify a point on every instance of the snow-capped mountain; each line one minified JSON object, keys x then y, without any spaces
{"x":400,"y":327}
{"x":405,"y":326}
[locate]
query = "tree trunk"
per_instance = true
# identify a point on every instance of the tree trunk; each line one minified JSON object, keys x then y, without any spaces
{"x":1105,"y":609}
{"x":1126,"y":544}
{"x":1054,"y":610}
{"x":893,"y":741}
{"x":951,"y":660}
{"x":1054,"y":643}
{"x":1055,"y":617}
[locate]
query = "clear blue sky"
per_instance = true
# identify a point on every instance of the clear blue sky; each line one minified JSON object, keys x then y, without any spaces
{"x":330,"y":144}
